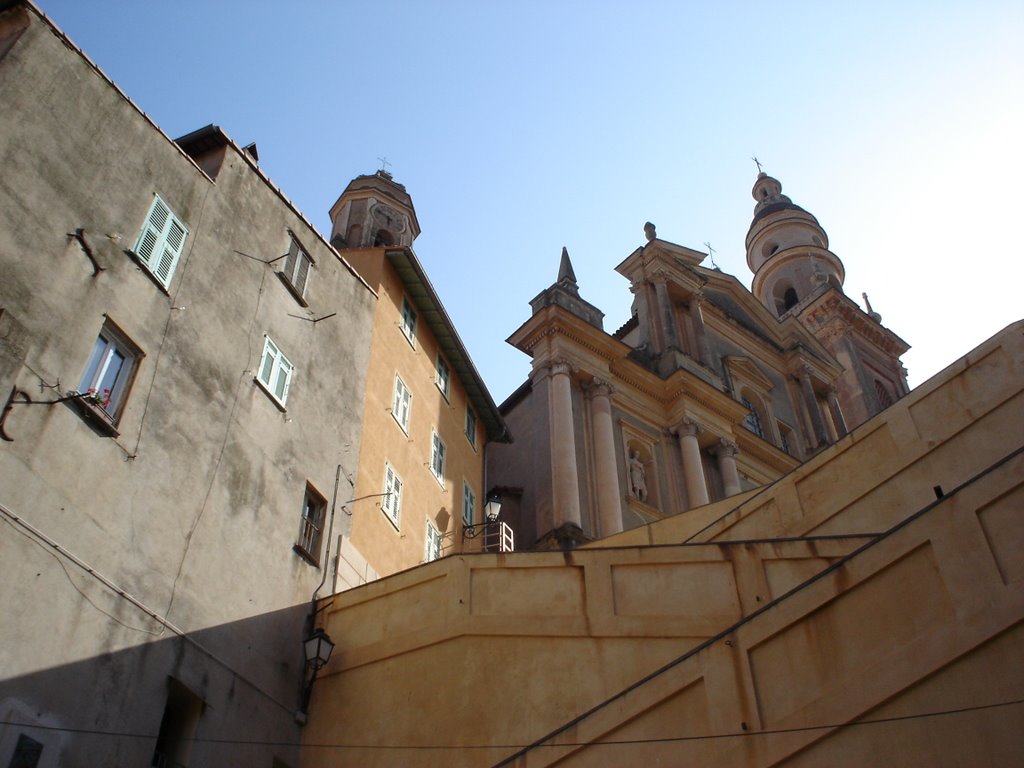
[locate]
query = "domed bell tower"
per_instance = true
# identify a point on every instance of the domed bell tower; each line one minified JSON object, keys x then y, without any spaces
{"x":797,"y":276}
{"x":787,"y":250}
{"x":374,"y":211}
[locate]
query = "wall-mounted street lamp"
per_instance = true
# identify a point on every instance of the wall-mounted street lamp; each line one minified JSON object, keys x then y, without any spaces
{"x":495,"y":535}
{"x":317,"y":648}
{"x":492,"y":508}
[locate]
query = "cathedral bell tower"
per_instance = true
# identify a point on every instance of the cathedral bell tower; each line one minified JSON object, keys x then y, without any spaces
{"x":787,"y":250}
{"x":797,"y":276}
{"x":374,"y":211}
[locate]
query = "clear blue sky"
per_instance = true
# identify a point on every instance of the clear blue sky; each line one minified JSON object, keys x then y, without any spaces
{"x":522,"y":127}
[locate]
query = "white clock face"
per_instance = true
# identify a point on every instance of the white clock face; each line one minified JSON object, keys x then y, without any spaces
{"x":388,"y":218}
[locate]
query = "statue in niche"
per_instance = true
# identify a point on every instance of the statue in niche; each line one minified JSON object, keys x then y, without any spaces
{"x":637,"y":479}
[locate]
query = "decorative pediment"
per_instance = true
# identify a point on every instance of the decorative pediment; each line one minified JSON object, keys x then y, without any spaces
{"x":742,"y":367}
{"x":656,"y":252}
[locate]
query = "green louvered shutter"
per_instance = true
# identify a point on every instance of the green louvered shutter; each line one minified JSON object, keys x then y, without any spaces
{"x":161,"y":241}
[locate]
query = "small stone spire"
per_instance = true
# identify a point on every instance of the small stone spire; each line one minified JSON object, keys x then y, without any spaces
{"x":566,"y":276}
{"x":565,"y":293}
{"x":650,"y":232}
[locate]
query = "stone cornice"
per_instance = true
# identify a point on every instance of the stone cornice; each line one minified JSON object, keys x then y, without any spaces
{"x":554,"y":321}
{"x":835,"y":315}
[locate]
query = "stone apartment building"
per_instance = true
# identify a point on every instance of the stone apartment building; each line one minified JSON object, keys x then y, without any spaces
{"x":184,"y":368}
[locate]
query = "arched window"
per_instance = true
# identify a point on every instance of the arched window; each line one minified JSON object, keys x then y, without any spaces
{"x":383,"y":237}
{"x":355,"y":236}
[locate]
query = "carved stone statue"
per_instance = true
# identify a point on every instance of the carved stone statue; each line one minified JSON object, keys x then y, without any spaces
{"x":637,"y":479}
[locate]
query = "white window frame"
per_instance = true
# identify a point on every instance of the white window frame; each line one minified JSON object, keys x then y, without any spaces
{"x":431,"y":543}
{"x":468,"y":504}
{"x":471,"y":425}
{"x":275,"y":372}
{"x":438,"y":456}
{"x":401,"y":406}
{"x":391,"y":502}
{"x":443,"y":376}
{"x":408,"y":324}
{"x":161,"y":242}
{"x":107,"y":387}
{"x":297,"y":269}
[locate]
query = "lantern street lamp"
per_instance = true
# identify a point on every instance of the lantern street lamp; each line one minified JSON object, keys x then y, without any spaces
{"x":317,"y":648}
{"x":492,"y":508}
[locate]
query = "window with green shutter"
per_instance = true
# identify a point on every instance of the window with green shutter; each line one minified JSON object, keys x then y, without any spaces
{"x":161,"y":242}
{"x":275,"y":372}
{"x":432,"y":543}
{"x":468,"y":504}
{"x":296,"y":269}
{"x":392,"y":503}
{"x":402,"y":404}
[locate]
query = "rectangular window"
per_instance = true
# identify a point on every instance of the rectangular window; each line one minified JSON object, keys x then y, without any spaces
{"x":296,"y":269}
{"x":402,"y":404}
{"x":437,"y":457}
{"x":311,"y":528}
{"x":409,"y":321}
{"x":161,"y":242}
{"x":275,"y":373}
{"x":109,"y":372}
{"x":432,"y":546}
{"x":443,"y":379}
{"x":468,"y":504}
{"x":785,"y":439}
{"x":392,"y":504}
{"x":471,"y":426}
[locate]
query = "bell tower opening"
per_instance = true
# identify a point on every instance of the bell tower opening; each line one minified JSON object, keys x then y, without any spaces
{"x":383,"y":237}
{"x":789,"y":299}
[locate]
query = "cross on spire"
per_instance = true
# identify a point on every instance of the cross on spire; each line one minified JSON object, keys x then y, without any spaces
{"x":384,"y":164}
{"x":758,"y":164}
{"x":711,"y":254}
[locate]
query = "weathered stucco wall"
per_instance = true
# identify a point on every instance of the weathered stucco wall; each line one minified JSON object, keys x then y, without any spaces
{"x":193,"y":507}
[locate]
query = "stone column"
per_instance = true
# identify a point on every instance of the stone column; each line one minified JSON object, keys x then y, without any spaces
{"x":564,"y":473}
{"x":837,"y":414}
{"x":811,"y":401}
{"x":693,"y":470}
{"x":726,"y":453}
{"x":703,"y":352}
{"x":665,"y":313}
{"x":609,"y":498}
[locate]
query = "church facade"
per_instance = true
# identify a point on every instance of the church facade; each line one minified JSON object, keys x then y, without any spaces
{"x":708,"y":390}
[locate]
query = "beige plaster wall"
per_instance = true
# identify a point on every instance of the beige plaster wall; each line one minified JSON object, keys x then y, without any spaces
{"x":386,"y":548}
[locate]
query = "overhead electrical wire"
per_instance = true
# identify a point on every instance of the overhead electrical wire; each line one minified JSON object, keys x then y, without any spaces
{"x":610,"y":743}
